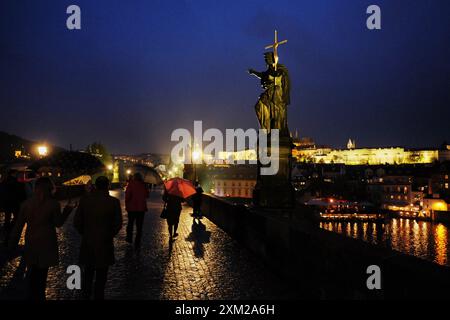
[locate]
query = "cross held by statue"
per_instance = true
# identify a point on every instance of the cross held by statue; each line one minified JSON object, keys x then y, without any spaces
{"x":275,"y":49}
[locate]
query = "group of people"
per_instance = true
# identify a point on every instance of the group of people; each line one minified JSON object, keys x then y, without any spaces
{"x":12,"y":195}
{"x":98,"y":219}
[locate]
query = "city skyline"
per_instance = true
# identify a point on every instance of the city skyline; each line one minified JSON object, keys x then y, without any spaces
{"x":224,"y":157}
{"x":130,"y":69}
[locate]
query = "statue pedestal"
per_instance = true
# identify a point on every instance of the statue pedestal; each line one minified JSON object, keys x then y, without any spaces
{"x":276,"y":191}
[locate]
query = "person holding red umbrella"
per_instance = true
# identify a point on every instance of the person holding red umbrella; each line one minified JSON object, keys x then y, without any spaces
{"x":175,"y":192}
{"x":173,"y":211}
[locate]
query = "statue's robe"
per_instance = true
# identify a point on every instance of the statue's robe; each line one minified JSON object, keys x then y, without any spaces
{"x":271,"y":108}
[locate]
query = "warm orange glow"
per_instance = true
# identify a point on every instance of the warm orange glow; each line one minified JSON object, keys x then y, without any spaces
{"x":196,"y":155}
{"x":440,"y":240}
{"x":42,"y":150}
{"x":440,"y":206}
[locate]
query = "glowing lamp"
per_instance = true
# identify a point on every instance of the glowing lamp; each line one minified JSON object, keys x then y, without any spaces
{"x":42,"y":150}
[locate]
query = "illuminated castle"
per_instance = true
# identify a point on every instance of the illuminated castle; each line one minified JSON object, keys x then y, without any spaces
{"x":367,"y":156}
{"x":307,"y":151}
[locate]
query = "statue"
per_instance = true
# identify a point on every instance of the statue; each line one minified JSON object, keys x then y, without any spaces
{"x":275,"y":191}
{"x":271,"y":108}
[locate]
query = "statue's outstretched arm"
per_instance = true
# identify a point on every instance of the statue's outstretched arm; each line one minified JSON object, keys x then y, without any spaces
{"x":255,"y":73}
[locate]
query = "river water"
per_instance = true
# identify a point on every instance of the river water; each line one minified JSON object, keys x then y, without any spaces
{"x":422,"y":239}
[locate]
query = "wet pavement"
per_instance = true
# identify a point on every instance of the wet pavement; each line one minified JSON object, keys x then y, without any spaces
{"x":203,"y":263}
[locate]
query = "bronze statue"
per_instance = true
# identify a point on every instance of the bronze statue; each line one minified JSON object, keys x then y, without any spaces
{"x":274,"y":190}
{"x":271,"y":108}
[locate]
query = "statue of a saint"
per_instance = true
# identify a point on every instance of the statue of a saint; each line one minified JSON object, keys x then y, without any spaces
{"x":271,"y":108}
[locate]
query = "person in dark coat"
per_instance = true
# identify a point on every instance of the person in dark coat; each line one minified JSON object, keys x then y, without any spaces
{"x":2,"y":192}
{"x":173,"y":206}
{"x":14,"y":196}
{"x":197,"y":201}
{"x":42,"y":214}
{"x":136,"y":196}
{"x":98,"y":219}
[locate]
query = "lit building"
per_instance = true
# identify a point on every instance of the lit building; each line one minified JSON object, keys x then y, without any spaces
{"x":234,"y":181}
{"x":368,"y":156}
{"x":434,"y":204}
{"x":351,"y":156}
{"x":243,"y":155}
{"x":392,"y":192}
{"x":233,"y":187}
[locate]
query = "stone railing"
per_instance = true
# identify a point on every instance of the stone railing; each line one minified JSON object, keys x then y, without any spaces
{"x":323,"y":264}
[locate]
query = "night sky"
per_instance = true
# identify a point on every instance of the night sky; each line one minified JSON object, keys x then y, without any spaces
{"x":139,"y":69}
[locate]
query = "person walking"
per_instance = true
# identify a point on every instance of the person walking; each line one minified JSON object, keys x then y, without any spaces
{"x":197,"y":201}
{"x":14,"y":196}
{"x":136,"y":196}
{"x":43,"y":215}
{"x":30,"y":181}
{"x":2,"y":193}
{"x":98,"y":220}
{"x":173,"y":207}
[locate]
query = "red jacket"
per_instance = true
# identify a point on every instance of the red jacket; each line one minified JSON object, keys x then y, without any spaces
{"x":136,"y":197}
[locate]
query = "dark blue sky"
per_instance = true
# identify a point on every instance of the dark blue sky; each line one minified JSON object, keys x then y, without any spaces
{"x":139,"y":69}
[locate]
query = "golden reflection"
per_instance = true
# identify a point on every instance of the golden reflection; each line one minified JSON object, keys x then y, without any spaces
{"x":364,"y":226}
{"x":374,"y":230}
{"x":422,"y":239}
{"x":440,"y":241}
{"x":417,"y":247}
{"x":348,"y":230}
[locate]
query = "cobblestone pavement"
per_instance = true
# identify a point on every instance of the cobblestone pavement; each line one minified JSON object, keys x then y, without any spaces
{"x":203,"y":263}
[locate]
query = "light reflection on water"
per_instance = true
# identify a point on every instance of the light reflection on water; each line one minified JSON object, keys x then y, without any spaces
{"x":422,"y":239}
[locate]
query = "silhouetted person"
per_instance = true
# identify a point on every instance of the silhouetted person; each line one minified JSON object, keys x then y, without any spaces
{"x":173,"y":205}
{"x":42,"y":214}
{"x":2,"y":192}
{"x":89,"y":187}
{"x":98,"y":219}
{"x":14,"y":195}
{"x":197,"y":201}
{"x":136,"y":196}
{"x":29,"y":184}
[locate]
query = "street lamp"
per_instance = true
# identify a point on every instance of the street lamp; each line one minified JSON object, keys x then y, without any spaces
{"x":110,"y":167}
{"x":42,"y":150}
{"x":196,"y":155}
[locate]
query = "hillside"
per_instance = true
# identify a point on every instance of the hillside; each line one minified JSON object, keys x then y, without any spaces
{"x":10,"y":143}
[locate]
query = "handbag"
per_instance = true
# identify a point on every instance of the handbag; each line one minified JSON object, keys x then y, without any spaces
{"x":163,"y":214}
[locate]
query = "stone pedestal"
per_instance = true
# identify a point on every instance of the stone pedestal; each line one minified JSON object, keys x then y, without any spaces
{"x":276,"y":191}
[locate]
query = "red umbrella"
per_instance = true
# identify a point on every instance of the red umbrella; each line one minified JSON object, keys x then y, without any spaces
{"x":180,"y":187}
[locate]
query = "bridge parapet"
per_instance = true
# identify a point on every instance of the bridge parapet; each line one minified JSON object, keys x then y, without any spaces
{"x":324,"y":264}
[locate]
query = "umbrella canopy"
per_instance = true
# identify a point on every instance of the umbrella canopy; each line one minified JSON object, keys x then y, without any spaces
{"x":81,"y":180}
{"x":70,"y":164}
{"x":180,"y":187}
{"x":150,"y":175}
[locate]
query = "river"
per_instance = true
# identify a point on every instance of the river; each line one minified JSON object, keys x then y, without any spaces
{"x":422,"y":239}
